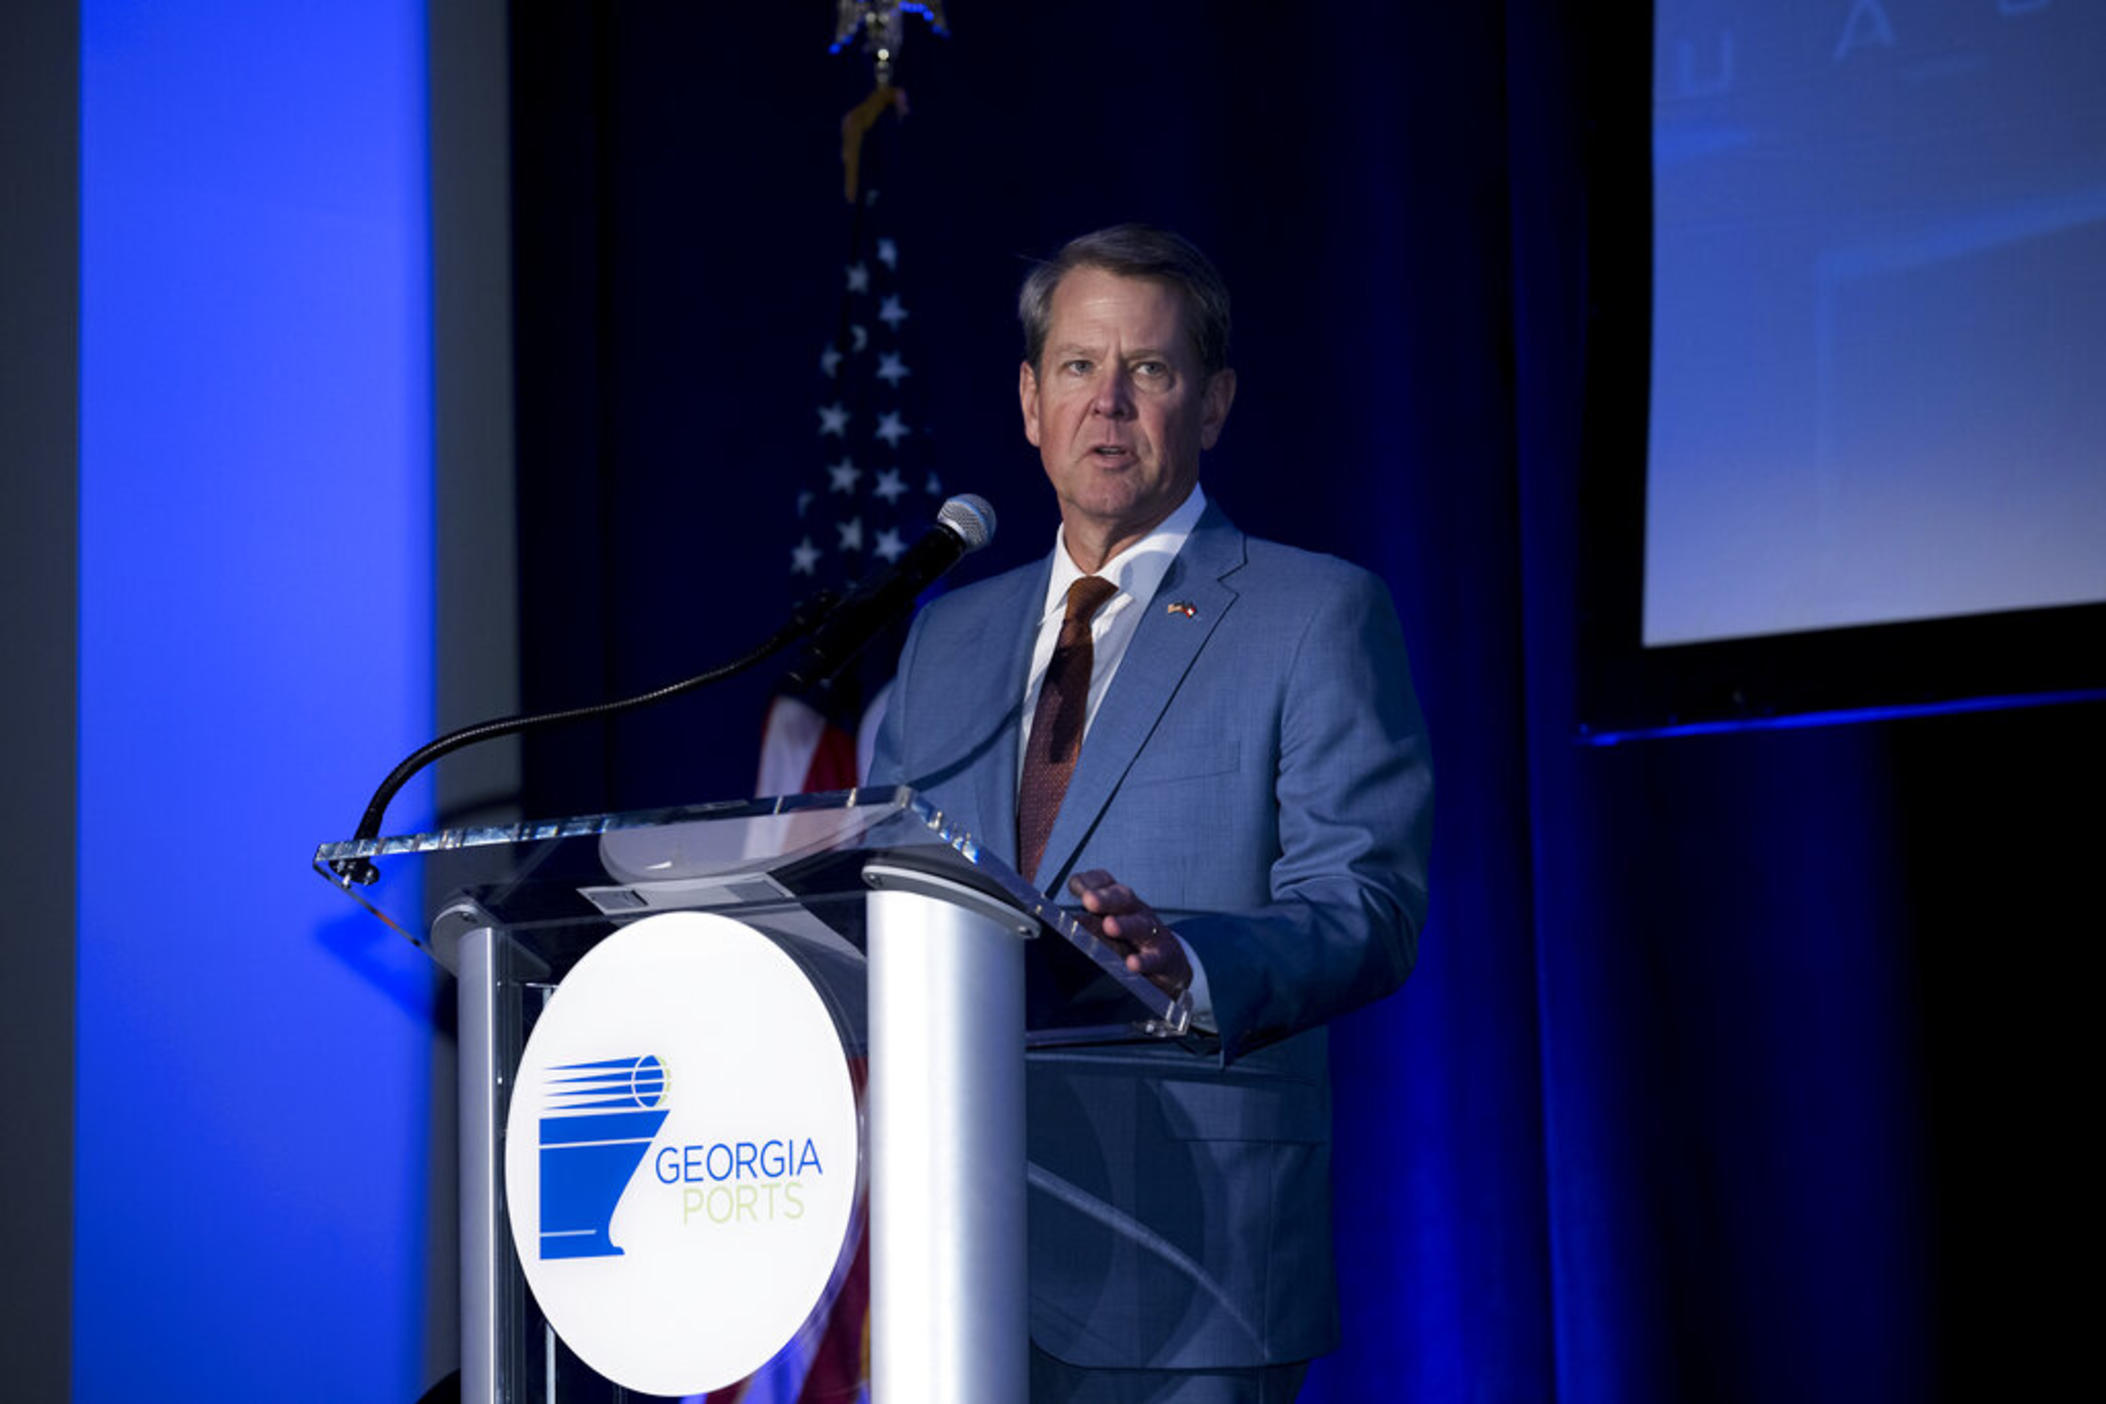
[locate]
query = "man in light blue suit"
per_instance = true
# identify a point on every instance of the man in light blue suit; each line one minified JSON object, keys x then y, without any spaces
{"x":1247,"y":815}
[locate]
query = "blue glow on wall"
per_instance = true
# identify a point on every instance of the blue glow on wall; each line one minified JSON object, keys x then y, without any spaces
{"x":1799,"y":721}
{"x":255,"y":611}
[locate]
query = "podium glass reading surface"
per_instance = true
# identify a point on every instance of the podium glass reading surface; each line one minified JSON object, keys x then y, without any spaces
{"x":919,"y":943}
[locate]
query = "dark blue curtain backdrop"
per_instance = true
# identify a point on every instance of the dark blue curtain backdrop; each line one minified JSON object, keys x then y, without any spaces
{"x":1739,"y":1067}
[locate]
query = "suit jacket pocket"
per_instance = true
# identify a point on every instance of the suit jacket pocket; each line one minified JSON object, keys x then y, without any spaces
{"x":1188,"y":759}
{"x":1276,"y":1111}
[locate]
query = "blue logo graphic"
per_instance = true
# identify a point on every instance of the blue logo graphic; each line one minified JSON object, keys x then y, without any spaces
{"x":599,"y":1122}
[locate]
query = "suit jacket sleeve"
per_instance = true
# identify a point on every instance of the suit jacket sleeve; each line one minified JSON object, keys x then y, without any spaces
{"x":1354,"y":788}
{"x":888,"y":751}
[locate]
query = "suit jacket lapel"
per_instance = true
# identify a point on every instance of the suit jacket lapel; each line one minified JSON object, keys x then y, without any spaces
{"x":994,"y":778}
{"x":1156,"y":662}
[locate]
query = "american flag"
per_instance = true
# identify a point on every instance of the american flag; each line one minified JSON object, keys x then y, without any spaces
{"x":867,"y":493}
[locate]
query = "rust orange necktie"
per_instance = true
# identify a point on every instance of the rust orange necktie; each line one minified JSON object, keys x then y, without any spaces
{"x":1057,"y":723}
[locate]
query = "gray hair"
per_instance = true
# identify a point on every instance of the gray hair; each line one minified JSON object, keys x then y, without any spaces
{"x":1134,"y":251}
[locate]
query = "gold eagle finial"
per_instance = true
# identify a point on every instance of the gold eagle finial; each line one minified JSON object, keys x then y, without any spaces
{"x":883,"y":24}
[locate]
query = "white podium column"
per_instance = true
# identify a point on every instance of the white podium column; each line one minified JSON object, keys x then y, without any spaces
{"x":949,"y":1312}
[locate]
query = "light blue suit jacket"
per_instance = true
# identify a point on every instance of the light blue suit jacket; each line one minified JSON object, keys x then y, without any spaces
{"x":1258,"y":772}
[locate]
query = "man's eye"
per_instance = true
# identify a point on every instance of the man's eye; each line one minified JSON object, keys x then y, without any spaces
{"x":1153,"y":370}
{"x":1076,"y":367}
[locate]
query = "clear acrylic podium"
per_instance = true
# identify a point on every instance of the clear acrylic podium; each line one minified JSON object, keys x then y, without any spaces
{"x":940,"y":964}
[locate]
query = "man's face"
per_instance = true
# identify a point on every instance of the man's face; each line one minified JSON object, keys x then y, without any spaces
{"x":1118,"y":407}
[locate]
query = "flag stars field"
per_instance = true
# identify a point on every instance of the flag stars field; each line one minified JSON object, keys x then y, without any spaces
{"x":860,"y":502}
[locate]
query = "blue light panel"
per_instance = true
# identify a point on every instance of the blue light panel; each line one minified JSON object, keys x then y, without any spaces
{"x":255,"y":611}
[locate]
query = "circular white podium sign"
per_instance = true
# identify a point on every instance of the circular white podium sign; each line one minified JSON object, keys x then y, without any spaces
{"x":680,"y":1155}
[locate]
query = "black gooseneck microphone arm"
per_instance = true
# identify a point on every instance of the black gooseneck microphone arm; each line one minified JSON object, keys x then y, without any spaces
{"x":807,"y":616}
{"x":842,"y":627}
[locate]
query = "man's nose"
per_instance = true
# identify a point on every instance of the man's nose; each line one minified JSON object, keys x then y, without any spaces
{"x":1114,"y":395}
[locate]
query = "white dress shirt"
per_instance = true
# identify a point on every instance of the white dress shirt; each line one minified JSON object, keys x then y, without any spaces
{"x":1136,"y":571}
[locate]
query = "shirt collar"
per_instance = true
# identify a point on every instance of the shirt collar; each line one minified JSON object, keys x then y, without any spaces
{"x":1137,"y":570}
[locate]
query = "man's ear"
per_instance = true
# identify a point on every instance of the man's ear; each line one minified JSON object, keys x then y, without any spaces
{"x":1219,"y":395}
{"x":1027,"y":392}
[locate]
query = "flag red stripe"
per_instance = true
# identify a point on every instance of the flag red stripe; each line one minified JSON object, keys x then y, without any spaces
{"x":833,"y":764}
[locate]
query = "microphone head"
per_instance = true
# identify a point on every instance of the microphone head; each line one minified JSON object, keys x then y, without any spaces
{"x":970,"y":517}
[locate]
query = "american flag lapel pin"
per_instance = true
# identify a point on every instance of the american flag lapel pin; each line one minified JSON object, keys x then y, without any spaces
{"x":1184,"y":607}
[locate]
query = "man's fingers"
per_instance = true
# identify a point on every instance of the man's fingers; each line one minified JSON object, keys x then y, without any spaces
{"x":1131,"y":927}
{"x":1101,"y":893}
{"x":1148,"y":959}
{"x":1134,"y":925}
{"x":1112,"y":900}
{"x":1159,"y":956}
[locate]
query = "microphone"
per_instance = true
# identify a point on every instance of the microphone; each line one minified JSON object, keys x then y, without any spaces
{"x":963,"y":525}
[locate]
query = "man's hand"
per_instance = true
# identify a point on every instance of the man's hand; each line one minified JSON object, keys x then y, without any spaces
{"x":1130,"y":926}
